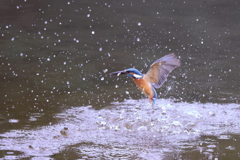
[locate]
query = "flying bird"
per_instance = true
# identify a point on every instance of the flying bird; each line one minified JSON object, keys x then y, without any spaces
{"x":154,"y":78}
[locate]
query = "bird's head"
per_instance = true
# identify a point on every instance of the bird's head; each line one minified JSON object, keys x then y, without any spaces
{"x":131,"y":72}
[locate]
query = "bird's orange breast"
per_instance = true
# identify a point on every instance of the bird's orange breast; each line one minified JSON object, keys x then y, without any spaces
{"x":144,"y":86}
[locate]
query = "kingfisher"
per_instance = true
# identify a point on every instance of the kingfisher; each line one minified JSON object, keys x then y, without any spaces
{"x":154,"y":78}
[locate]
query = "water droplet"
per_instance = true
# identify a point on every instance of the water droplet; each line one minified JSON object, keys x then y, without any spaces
{"x":13,"y":120}
{"x":105,"y":70}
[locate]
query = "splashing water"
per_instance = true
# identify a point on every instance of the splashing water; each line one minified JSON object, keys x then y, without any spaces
{"x":130,"y":129}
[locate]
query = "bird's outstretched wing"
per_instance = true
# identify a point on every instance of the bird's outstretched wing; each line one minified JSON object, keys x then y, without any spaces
{"x":160,"y":69}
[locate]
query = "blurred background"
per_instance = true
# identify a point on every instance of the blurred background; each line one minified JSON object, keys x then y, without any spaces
{"x":55,"y":55}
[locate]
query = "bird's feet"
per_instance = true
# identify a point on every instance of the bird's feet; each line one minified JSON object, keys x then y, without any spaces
{"x":152,"y":101}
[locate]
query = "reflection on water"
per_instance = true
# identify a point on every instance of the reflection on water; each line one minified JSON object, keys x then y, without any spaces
{"x":55,"y":55}
{"x":133,"y":129}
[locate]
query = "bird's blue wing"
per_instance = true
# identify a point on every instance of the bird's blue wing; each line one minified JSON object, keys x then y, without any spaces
{"x":160,"y":69}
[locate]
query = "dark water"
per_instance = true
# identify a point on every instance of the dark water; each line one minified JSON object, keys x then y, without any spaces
{"x":56,"y":56}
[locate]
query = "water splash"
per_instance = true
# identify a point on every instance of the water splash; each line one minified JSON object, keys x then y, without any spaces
{"x":130,"y":129}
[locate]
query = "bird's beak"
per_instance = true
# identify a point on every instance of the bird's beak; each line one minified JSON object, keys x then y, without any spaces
{"x":118,"y":73}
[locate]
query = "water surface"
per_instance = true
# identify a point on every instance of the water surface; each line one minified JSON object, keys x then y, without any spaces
{"x":55,"y":58}
{"x":134,"y":130}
